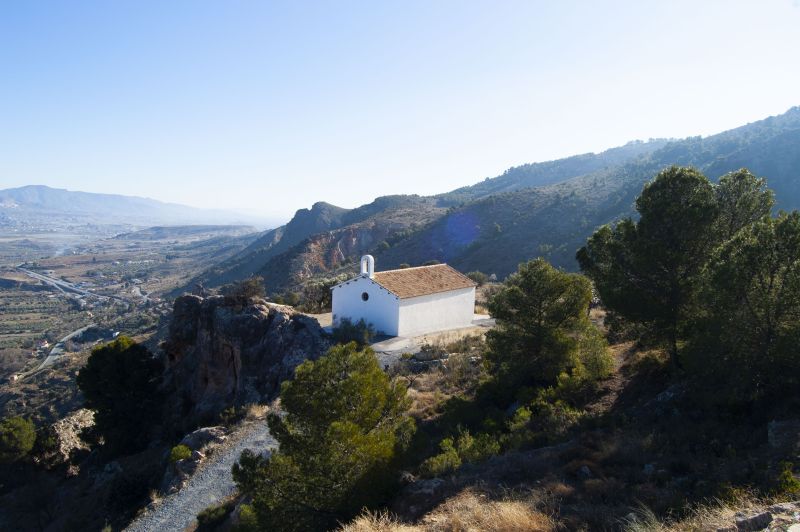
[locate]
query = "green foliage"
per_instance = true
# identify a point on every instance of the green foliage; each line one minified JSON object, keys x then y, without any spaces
{"x":479,"y":278}
{"x":476,"y":448}
{"x":465,"y":448}
{"x":120,"y":382}
{"x":231,"y":415}
{"x":316,"y":295}
{"x":240,"y":292}
{"x":552,"y":416}
{"x":46,"y":445}
{"x":17,"y":438}
{"x":592,"y":359}
{"x":287,"y":298}
{"x":360,"y":332}
{"x":648,"y":270}
{"x":542,"y":328}
{"x":179,"y":452}
{"x":446,"y":461}
{"x":248,"y":471}
{"x":344,"y":424}
{"x":213,"y":516}
{"x":744,"y":345}
{"x":787,"y":483}
{"x":248,"y":520}
{"x":742,"y":199}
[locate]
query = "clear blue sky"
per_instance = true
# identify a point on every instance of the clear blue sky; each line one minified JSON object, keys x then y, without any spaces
{"x":270,"y":106}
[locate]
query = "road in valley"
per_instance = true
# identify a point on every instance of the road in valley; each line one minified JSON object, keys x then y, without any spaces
{"x":58,"y":349}
{"x":65,"y":286}
{"x":56,"y":352}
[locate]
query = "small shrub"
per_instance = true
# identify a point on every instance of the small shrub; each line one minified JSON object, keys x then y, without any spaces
{"x":179,"y":452}
{"x":442,"y":463}
{"x":316,"y":294}
{"x":553,"y":419}
{"x":787,"y":483}
{"x":466,"y":448}
{"x":240,"y":292}
{"x":361,"y":332}
{"x":248,"y":521}
{"x":477,"y":448}
{"x":431,"y":352}
{"x":478,"y":278}
{"x":231,"y":415}
{"x":291,"y":299}
{"x":213,"y":516}
{"x":17,"y":437}
{"x":463,"y":372}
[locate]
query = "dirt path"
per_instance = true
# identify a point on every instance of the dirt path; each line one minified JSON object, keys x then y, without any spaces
{"x":610,"y":389}
{"x":211,"y":484}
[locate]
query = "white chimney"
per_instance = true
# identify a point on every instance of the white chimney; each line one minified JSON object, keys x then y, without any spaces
{"x":368,"y":266}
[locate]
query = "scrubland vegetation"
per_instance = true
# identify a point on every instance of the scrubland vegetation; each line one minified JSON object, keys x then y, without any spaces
{"x":656,"y":390}
{"x":544,"y":425}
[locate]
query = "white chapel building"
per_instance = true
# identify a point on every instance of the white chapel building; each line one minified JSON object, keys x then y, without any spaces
{"x":406,"y":302}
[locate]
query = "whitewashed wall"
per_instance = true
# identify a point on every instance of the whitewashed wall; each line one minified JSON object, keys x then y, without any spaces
{"x":381,"y":309}
{"x":436,"y":312}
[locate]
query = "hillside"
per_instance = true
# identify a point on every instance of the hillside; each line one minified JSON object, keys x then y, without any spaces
{"x":324,"y":238}
{"x":38,"y":206}
{"x":496,"y":233}
{"x":551,"y":172}
{"x":543,"y":209}
{"x":187,"y":231}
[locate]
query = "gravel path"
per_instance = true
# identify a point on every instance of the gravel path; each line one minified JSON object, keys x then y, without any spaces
{"x":211,"y":483}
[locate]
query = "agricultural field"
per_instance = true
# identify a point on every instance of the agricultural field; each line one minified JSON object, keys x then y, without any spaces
{"x":55,"y":308}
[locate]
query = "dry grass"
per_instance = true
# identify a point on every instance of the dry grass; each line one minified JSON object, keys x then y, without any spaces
{"x":256,"y":411}
{"x":467,"y":512}
{"x":460,"y":374}
{"x":377,"y":522}
{"x":425,"y":404}
{"x":713,"y":516}
{"x":470,"y":511}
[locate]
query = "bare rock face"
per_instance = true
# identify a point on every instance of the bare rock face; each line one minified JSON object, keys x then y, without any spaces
{"x":68,"y":432}
{"x":223,"y":352}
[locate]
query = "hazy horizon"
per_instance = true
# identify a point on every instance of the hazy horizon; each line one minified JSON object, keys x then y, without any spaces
{"x":269,"y":108}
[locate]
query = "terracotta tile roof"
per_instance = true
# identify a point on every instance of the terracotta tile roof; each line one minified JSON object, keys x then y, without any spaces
{"x":423,"y":280}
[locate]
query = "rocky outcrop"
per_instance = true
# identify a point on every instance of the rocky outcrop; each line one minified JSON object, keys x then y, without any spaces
{"x":778,"y":517}
{"x":201,"y":437}
{"x":222,"y":352}
{"x":68,"y":432}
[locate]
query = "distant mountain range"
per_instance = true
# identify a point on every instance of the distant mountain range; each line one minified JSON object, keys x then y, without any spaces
{"x":40,"y":206}
{"x":544,"y":209}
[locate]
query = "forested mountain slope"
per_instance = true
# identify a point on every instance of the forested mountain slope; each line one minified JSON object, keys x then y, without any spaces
{"x":543,"y":209}
{"x":496,"y":233}
{"x":551,"y":172}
